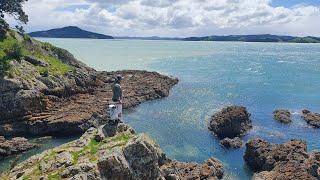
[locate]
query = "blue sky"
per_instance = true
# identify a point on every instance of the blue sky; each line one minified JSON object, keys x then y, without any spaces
{"x":290,"y":3}
{"x":178,"y":18}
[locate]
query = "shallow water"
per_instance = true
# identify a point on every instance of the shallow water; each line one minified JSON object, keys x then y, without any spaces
{"x":260,"y":76}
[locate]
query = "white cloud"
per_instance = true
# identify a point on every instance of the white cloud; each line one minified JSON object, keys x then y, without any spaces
{"x":175,"y":17}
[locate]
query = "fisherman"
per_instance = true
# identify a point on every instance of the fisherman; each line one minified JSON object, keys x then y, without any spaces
{"x":117,"y":99}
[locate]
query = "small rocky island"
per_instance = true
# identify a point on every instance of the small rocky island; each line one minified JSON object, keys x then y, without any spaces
{"x":282,"y":115}
{"x":230,"y":124}
{"x":285,"y":161}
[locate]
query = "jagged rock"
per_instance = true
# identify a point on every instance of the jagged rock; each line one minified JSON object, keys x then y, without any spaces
{"x":282,"y":115}
{"x":232,"y":143}
{"x":35,"y":61}
{"x":311,"y":118}
{"x":114,"y":127}
{"x":14,"y":146}
{"x":231,"y":122}
{"x":281,"y":161}
{"x":210,"y":169}
{"x":123,"y":156}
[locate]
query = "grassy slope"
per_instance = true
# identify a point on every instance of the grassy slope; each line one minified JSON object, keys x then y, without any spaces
{"x":11,"y":48}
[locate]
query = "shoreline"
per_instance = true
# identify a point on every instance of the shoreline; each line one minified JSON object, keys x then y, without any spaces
{"x":73,"y":115}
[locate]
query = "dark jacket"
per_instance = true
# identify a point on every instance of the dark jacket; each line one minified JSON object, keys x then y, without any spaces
{"x":117,"y":92}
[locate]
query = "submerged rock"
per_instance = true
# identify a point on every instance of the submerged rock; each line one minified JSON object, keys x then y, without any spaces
{"x":282,"y":161}
{"x":231,"y":122}
{"x":311,"y":118}
{"x":282,"y":115}
{"x":232,"y":143}
{"x":14,"y":146}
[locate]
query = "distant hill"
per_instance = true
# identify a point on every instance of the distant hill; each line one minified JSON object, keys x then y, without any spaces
{"x":69,"y":32}
{"x":257,"y":38}
{"x":149,"y":38}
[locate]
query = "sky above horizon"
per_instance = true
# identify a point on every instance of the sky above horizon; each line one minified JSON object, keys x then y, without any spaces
{"x":177,"y":18}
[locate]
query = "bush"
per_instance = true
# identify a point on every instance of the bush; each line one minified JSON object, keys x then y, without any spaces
{"x":15,"y":51}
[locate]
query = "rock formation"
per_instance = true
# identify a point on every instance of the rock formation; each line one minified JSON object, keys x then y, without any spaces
{"x":282,"y":115}
{"x":231,"y":122}
{"x":311,"y":118}
{"x":232,"y":143}
{"x":49,"y":92}
{"x":14,"y":146}
{"x":282,"y":161}
{"x":122,"y":155}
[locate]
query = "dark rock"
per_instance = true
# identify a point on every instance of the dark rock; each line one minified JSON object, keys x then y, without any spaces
{"x":139,"y":159}
{"x":35,"y":61}
{"x":312,"y":119}
{"x":232,"y":143}
{"x":14,"y":146}
{"x":282,"y":115}
{"x":231,"y":122}
{"x":281,"y":161}
{"x":210,"y":169}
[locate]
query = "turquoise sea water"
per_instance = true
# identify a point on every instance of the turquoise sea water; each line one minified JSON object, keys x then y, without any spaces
{"x":260,"y":76}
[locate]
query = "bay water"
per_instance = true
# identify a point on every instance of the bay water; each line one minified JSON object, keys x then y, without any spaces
{"x":260,"y":76}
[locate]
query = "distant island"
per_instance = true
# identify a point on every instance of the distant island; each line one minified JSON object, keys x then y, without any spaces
{"x":69,"y":32}
{"x":76,"y":32}
{"x":257,"y":38}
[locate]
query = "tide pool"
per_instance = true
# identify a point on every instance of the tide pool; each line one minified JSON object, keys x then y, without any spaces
{"x":259,"y":76}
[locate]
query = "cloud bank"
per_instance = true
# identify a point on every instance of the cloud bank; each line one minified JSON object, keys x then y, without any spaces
{"x":175,"y":17}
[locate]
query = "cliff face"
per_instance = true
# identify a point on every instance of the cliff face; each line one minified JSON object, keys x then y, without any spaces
{"x":121,"y":155}
{"x":44,"y":90}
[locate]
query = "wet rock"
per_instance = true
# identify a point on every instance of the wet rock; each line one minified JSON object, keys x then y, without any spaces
{"x":14,"y":146}
{"x":210,"y":169}
{"x":281,"y":161}
{"x":231,"y":122}
{"x":311,"y":118}
{"x":282,"y":115}
{"x":231,"y":143}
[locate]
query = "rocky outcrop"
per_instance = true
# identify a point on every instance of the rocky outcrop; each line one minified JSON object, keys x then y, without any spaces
{"x":14,"y":146}
{"x":231,"y":122}
{"x":282,"y":161}
{"x":311,"y":118}
{"x":39,"y":98}
{"x":282,"y":115}
{"x":210,"y":169}
{"x":124,"y":155}
{"x":232,"y":143}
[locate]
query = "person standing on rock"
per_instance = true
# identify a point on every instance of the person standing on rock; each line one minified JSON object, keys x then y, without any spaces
{"x":116,"y":107}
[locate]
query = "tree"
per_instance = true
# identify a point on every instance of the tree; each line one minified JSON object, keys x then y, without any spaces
{"x":12,"y":8}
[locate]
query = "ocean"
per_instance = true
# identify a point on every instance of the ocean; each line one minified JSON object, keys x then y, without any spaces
{"x":260,"y":76}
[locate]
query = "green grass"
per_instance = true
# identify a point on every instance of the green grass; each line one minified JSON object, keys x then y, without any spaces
{"x":11,"y":49}
{"x":26,"y":178}
{"x":91,"y":149}
{"x":54,"y":176}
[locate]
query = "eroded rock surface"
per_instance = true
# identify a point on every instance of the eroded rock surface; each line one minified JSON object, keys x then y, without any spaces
{"x":311,"y":118}
{"x":232,"y":143}
{"x":282,"y":115}
{"x":282,"y":161}
{"x":123,"y":156}
{"x":231,"y":122}
{"x":67,"y":99}
{"x":14,"y":146}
